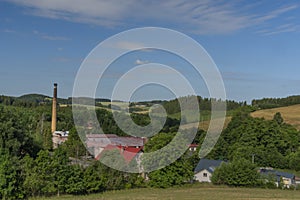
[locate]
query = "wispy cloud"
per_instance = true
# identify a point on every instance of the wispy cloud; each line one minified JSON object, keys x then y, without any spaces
{"x":49,"y":37}
{"x":285,"y":28}
{"x":141,"y":62}
{"x":8,"y":31}
{"x":126,"y":45}
{"x":276,"y":13}
{"x":200,"y":17}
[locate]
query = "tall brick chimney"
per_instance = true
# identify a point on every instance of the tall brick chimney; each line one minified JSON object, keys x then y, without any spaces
{"x":54,"y":103}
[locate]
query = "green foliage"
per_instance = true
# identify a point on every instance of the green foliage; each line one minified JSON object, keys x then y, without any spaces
{"x":107,"y":122}
{"x":277,"y":118}
{"x":16,"y":126}
{"x":269,"y":141}
{"x":47,"y":139}
{"x":74,"y":146}
{"x":205,"y":104}
{"x":10,"y":178}
{"x":294,"y":160}
{"x":94,"y":179}
{"x":239,"y":172}
{"x":178,"y":173}
{"x":75,"y":182}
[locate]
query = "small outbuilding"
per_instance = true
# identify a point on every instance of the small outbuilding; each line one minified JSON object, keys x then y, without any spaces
{"x":205,"y":169}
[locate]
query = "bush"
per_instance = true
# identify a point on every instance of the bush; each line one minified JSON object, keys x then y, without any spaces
{"x":237,"y":173}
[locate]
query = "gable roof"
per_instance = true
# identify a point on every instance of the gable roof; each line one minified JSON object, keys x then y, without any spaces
{"x":207,"y":164}
{"x":278,"y":174}
{"x":128,"y":153}
{"x":102,"y":140}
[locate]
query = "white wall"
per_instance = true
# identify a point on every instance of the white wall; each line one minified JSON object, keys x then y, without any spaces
{"x":200,"y":176}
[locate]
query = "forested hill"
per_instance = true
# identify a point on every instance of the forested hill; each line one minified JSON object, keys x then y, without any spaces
{"x":31,"y":100}
{"x":173,"y":106}
{"x":266,"y":103}
{"x":28,"y":100}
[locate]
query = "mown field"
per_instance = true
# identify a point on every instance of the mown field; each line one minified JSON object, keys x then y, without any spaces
{"x":205,"y":124}
{"x":208,"y":192}
{"x":290,"y":114}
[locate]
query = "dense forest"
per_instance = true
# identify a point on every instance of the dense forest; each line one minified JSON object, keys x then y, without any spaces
{"x":30,"y":167}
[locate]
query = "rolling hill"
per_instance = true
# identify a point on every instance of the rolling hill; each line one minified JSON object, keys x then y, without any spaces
{"x":290,"y":114}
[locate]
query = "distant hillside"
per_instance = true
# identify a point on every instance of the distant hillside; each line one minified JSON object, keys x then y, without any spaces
{"x":29,"y":100}
{"x":205,"y":104}
{"x":34,"y":98}
{"x":267,"y":103}
{"x":290,"y":114}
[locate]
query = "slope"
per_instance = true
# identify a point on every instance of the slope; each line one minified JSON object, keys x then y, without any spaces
{"x":290,"y":114}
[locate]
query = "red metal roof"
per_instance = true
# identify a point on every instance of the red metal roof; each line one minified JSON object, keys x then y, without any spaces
{"x":127,"y":152}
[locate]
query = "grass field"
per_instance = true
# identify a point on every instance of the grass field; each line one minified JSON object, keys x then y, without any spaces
{"x":290,"y":114}
{"x":204,"y":124}
{"x":199,"y":192}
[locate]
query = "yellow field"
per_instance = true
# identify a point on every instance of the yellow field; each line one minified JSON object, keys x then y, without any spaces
{"x":290,"y":114}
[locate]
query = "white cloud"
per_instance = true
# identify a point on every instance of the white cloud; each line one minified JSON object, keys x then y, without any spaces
{"x":141,"y":62}
{"x":49,"y":37}
{"x":8,"y":31}
{"x":285,"y":28}
{"x":126,"y":45}
{"x":276,"y":13}
{"x":201,"y":17}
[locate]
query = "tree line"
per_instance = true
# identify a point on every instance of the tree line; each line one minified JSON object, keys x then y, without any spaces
{"x":266,"y":103}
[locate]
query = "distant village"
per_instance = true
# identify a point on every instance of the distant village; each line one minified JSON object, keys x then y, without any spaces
{"x":132,"y":148}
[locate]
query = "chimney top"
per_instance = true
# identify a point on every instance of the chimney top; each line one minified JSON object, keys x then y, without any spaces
{"x":55,"y":84}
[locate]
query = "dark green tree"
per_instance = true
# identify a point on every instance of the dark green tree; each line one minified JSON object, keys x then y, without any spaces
{"x":236,"y":173}
{"x":11,"y":182}
{"x":75,"y":180}
{"x":95,"y":178}
{"x":74,"y":146}
{"x":278,"y":118}
{"x":294,"y":160}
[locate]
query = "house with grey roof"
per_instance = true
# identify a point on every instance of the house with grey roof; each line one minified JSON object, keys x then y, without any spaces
{"x":279,"y":177}
{"x":205,"y":168}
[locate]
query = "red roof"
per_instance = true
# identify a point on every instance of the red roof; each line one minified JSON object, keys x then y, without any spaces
{"x":130,"y":152}
{"x":193,"y":145}
{"x":127,"y":152}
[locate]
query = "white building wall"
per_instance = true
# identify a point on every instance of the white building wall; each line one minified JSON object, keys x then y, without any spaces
{"x":203,"y":176}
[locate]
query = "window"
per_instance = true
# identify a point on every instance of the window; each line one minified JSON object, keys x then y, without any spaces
{"x":204,"y":174}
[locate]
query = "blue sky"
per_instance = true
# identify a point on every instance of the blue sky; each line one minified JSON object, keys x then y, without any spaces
{"x":255,"y":44}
